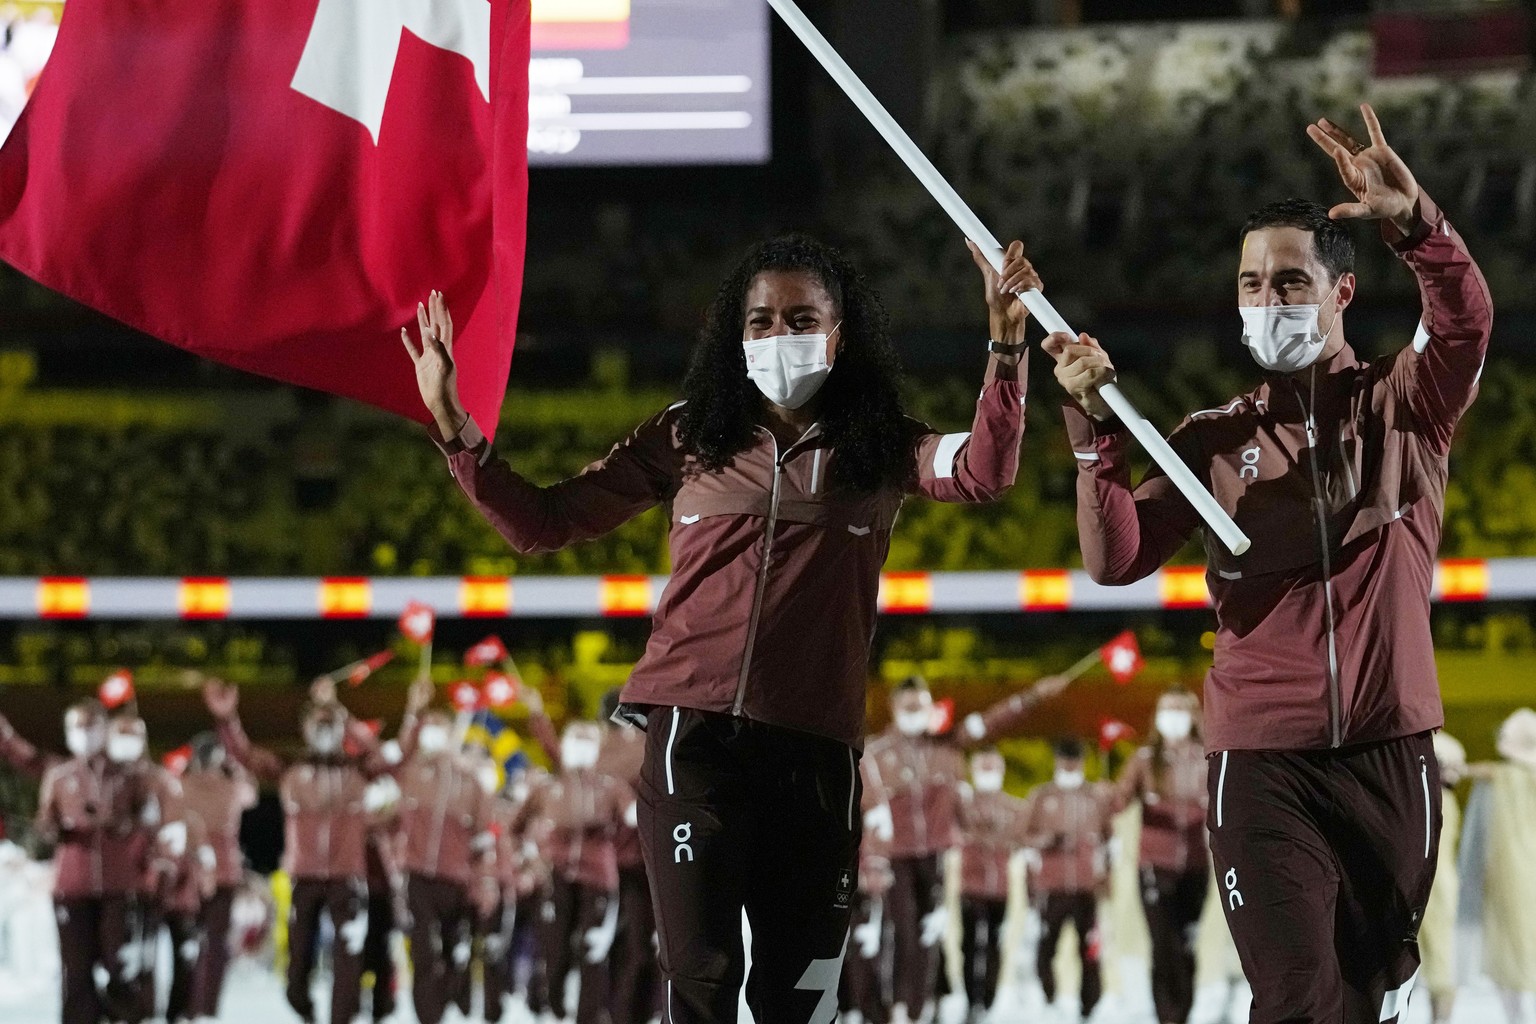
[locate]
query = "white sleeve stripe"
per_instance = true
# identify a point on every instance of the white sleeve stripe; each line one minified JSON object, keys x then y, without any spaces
{"x":944,"y":454}
{"x":1421,"y":338}
{"x":1087,"y":456}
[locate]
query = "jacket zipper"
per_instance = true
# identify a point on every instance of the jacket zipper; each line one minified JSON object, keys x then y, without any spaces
{"x":919,"y":780}
{"x":1335,"y":703}
{"x":98,"y":881}
{"x":762,"y":580}
{"x":325,"y":831}
{"x":1424,"y":781}
{"x":439,"y":813}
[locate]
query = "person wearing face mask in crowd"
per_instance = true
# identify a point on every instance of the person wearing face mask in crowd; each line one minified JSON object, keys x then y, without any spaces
{"x":783,"y":470}
{"x":1067,"y":828}
{"x":444,"y":830}
{"x":217,"y":792}
{"x":993,"y":829}
{"x":1322,"y":699}
{"x":326,"y":818}
{"x":160,"y":848}
{"x":91,"y":808}
{"x":1167,"y":777}
{"x":912,"y":785}
{"x":575,"y":817}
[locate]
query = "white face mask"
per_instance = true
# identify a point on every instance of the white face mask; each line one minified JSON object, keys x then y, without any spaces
{"x":914,"y":722}
{"x":432,"y":739}
{"x":1175,"y":724}
{"x":489,"y":776}
{"x":1285,"y":338}
{"x":323,"y":739}
{"x":125,"y":747}
{"x":82,"y":741}
{"x":987,"y":781}
{"x":1069,"y":780}
{"x":789,"y":368}
{"x":578,"y":752}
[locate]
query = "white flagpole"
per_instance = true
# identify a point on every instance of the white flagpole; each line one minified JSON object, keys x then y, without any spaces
{"x":967,"y":221}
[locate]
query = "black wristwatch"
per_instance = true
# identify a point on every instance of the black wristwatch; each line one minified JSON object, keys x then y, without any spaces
{"x":1004,"y":348}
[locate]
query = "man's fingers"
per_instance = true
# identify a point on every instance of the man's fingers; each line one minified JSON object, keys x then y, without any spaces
{"x":1350,"y":211}
{"x":1056,"y":344}
{"x":1339,"y":135}
{"x":1373,"y":126}
{"x":977,"y":257}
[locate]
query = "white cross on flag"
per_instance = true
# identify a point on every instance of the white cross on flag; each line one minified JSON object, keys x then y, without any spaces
{"x":417,"y":622}
{"x":1122,"y":656}
{"x":116,"y":690}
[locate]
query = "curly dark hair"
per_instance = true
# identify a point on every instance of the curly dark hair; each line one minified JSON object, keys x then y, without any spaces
{"x":859,"y":406}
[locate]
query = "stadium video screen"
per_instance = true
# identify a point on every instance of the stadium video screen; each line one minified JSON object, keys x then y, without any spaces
{"x":649,"y":82}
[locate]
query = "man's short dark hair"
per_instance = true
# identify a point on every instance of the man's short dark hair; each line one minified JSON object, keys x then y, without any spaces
{"x":1330,"y":239}
{"x":912,"y":682}
{"x":1069,"y":748}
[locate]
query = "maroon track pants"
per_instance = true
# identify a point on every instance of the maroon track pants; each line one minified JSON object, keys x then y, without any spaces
{"x":441,"y":919}
{"x":345,"y":900}
{"x":99,"y":931}
{"x":1173,"y":902}
{"x":738,"y":814}
{"x":212,"y":954}
{"x":1082,"y":909}
{"x":1324,"y":861}
{"x":866,"y":977}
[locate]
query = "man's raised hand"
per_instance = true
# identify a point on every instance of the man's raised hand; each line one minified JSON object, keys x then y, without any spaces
{"x":221,"y":698}
{"x":436,"y":374}
{"x":1383,"y":186}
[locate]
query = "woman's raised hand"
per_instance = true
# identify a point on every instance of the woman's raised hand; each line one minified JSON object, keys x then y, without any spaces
{"x":436,"y":374}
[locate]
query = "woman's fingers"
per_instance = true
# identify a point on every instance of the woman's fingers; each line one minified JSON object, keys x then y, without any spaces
{"x":410,"y":347}
{"x":424,"y":324}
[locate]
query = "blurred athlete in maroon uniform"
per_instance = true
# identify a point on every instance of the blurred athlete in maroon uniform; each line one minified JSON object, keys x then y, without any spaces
{"x":217,"y":792}
{"x":325,"y":838}
{"x":92,"y":809}
{"x":578,"y":813}
{"x":912,"y":783}
{"x":635,"y":973}
{"x":1167,"y":777}
{"x":867,"y":966}
{"x":444,"y":830}
{"x":992,"y":830}
{"x":1068,"y":828}
{"x":160,"y":843}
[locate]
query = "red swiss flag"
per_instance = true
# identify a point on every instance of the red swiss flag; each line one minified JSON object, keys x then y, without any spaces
{"x":176,"y":761}
{"x":276,"y":185}
{"x":1122,"y":656}
{"x":116,"y":690}
{"x":499,"y":690}
{"x":1112,"y":731}
{"x":941,"y":717}
{"x":368,"y":666}
{"x":466,"y":697}
{"x":487,"y":652}
{"x":417,"y":622}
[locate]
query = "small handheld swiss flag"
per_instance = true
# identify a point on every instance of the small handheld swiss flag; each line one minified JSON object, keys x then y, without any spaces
{"x":1112,"y":731}
{"x":466,"y":697}
{"x":116,"y":690}
{"x":368,"y":666}
{"x":417,"y":622}
{"x":1122,"y":656}
{"x":499,"y":690}
{"x":489,"y":651}
{"x":176,"y":761}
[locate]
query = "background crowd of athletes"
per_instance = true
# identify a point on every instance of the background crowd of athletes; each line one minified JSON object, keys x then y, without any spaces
{"x":424,"y":870}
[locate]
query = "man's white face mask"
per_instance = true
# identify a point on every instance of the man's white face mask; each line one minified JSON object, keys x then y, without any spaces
{"x":914,"y":721}
{"x":988,"y":780}
{"x":125,"y":747}
{"x":432,"y":739}
{"x":1069,"y":779}
{"x":578,"y":752}
{"x":84,"y":740}
{"x":1175,"y":724}
{"x":789,"y":368}
{"x":1285,"y":339}
{"x":489,"y":776}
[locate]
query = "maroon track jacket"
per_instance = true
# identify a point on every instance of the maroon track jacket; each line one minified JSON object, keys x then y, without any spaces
{"x":1338,"y":475}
